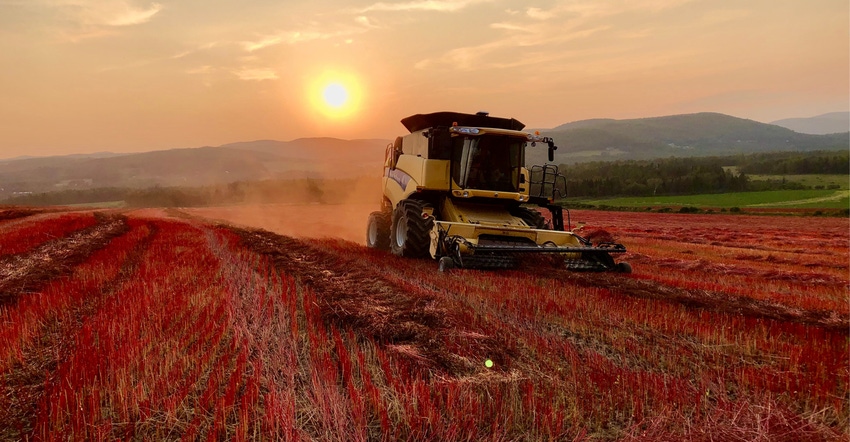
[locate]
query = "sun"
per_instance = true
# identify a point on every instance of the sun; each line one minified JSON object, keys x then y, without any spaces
{"x":335,"y":95}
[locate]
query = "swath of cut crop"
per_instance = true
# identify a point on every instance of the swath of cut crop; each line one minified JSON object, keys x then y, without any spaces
{"x":715,"y":301}
{"x":15,"y":212}
{"x":412,"y":324}
{"x":23,"y":234}
{"x":25,"y":272}
{"x":63,"y":310}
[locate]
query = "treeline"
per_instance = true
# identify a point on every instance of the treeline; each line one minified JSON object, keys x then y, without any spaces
{"x":683,"y":176}
{"x":673,"y":176}
{"x":793,"y":163}
{"x":302,"y":191}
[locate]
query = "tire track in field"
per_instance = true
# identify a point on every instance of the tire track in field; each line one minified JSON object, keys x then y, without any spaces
{"x":23,"y":384}
{"x":28,"y":271}
{"x":704,"y":299}
{"x":359,"y":297}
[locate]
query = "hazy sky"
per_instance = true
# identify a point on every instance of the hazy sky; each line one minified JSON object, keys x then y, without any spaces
{"x":80,"y":76}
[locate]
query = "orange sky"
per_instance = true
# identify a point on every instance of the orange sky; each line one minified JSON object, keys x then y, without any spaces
{"x":82,"y":76}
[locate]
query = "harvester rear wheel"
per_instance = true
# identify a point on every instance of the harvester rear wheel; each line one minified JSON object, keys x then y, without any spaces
{"x":378,"y":230}
{"x":410,"y":233}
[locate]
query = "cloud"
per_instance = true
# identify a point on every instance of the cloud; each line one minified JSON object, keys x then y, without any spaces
{"x":475,"y":57}
{"x":256,"y":74}
{"x":291,"y":37}
{"x":364,"y":24}
{"x":552,"y":32}
{"x":510,"y":27}
{"x":602,"y":8}
{"x":133,"y":16}
{"x":206,"y":69}
{"x":539,"y":14}
{"x":423,"y":5}
{"x":270,"y":40}
{"x":76,"y":20}
{"x":725,"y":15}
{"x":111,"y":13}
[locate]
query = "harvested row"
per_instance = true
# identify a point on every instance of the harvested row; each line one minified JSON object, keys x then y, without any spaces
{"x":12,"y":212}
{"x":394,"y":312}
{"x":758,"y":361}
{"x":23,"y":235}
{"x":26,"y":271}
{"x":384,"y":379}
{"x":179,"y":329}
{"x":37,"y":329}
{"x":150,"y":360}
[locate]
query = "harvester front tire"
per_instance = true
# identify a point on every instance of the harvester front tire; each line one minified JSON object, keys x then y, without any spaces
{"x":531,"y":217}
{"x":378,"y":230}
{"x":446,"y":263}
{"x":410,"y":233}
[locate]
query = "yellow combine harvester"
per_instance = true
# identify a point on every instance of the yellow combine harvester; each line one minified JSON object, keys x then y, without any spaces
{"x":456,"y":189}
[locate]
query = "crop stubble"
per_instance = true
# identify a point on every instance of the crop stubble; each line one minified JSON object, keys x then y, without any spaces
{"x":194,"y":330}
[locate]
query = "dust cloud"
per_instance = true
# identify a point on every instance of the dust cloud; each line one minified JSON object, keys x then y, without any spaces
{"x":325,"y":209}
{"x":330,"y":188}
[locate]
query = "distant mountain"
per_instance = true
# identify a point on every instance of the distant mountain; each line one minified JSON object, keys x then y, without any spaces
{"x":314,"y":148}
{"x":317,"y":158}
{"x":834,"y":122}
{"x":73,"y":155}
{"x":702,"y":134}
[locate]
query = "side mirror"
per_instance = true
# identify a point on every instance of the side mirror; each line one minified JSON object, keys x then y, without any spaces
{"x":552,"y":149}
{"x":440,"y":144}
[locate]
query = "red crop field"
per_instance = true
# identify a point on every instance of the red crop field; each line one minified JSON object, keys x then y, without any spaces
{"x":149,"y":325}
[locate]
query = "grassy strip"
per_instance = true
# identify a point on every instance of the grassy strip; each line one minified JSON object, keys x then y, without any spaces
{"x":819,"y":199}
{"x":842,"y":181}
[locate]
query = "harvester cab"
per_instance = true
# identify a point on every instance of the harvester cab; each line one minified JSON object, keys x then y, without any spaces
{"x":456,"y":189}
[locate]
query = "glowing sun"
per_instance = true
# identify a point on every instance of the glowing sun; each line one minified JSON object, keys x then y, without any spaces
{"x":335,"y":95}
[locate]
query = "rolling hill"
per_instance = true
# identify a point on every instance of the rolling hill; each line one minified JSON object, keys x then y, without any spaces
{"x":702,"y":134}
{"x":257,"y":160}
{"x":833,"y":122}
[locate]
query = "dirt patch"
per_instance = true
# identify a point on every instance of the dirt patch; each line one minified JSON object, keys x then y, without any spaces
{"x":27,"y":271}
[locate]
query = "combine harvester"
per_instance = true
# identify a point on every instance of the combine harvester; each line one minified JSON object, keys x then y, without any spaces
{"x":456,"y":189}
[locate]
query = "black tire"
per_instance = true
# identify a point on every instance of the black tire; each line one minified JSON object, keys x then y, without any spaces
{"x":532,"y":217}
{"x":623,"y":267}
{"x":410,"y":232}
{"x":378,"y":230}
{"x":446,"y":264}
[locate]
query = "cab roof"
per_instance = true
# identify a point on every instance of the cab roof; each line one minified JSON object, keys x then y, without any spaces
{"x":417,"y":122}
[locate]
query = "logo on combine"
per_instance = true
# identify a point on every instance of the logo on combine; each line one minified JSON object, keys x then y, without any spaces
{"x":398,"y":176}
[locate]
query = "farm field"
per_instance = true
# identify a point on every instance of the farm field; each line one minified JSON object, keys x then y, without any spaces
{"x":825,"y":180}
{"x":165,"y":325}
{"x":787,"y":199}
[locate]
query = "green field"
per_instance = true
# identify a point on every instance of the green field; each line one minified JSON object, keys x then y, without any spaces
{"x":789,"y":199}
{"x":100,"y":205}
{"x":842,"y":181}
